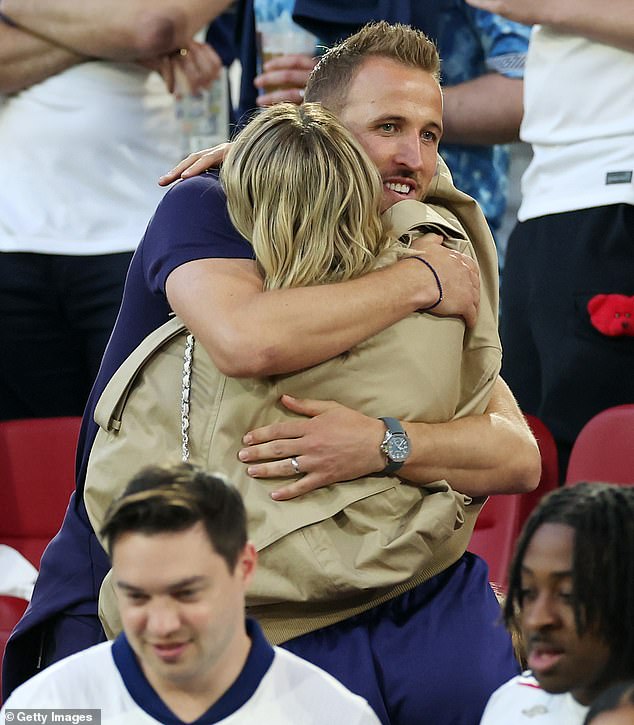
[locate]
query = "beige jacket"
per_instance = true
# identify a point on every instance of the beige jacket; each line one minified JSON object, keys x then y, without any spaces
{"x":342,"y":549}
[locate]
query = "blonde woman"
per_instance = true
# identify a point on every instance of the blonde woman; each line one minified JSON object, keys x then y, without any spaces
{"x":304,"y":193}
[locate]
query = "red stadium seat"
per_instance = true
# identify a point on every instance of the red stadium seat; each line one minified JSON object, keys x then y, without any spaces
{"x":550,"y":467}
{"x":503,"y":516}
{"x":37,"y":475}
{"x":11,"y":609}
{"x":494,"y":535}
{"x":604,"y":448}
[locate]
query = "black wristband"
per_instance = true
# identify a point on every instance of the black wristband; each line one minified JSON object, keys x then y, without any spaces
{"x":7,"y":20}
{"x":436,"y":277}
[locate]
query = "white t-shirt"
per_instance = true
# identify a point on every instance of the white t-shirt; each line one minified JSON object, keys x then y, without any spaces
{"x":521,"y":701}
{"x":80,"y":155}
{"x":274,"y":688}
{"x":579,"y":118}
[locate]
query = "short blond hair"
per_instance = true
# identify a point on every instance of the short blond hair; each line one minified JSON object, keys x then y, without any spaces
{"x":304,"y":193}
{"x":330,"y":79}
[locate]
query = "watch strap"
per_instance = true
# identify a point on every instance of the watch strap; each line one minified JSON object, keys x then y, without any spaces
{"x":394,"y":427}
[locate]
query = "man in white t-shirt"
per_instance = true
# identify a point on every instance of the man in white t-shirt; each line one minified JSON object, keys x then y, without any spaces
{"x":568,"y":291}
{"x":571,"y":594}
{"x":181,"y":565}
{"x":86,"y":124}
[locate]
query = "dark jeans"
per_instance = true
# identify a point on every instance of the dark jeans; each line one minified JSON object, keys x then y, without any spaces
{"x":56,"y":315}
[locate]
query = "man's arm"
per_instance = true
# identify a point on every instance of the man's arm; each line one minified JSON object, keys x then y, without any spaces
{"x":485,"y":107}
{"x":114,"y":30}
{"x":25,"y":59}
{"x":611,"y":22}
{"x":251,"y":333}
{"x":196,"y":163}
{"x":485,"y":110}
{"x":478,"y":455}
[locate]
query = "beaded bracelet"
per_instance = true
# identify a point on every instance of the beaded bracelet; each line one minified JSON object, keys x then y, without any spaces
{"x":436,"y":277}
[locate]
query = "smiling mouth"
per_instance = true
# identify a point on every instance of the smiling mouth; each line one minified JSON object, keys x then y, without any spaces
{"x":398,"y":188}
{"x":170,"y":651}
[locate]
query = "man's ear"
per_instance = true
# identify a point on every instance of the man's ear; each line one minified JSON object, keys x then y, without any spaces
{"x":247,"y":562}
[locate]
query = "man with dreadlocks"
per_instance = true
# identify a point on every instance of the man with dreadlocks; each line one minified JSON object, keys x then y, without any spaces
{"x":571,"y":593}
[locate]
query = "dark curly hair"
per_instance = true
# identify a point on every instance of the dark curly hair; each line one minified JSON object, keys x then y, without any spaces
{"x":602,"y":516}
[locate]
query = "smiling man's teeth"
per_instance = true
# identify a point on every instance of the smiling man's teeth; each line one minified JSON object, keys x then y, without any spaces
{"x":399,"y":188}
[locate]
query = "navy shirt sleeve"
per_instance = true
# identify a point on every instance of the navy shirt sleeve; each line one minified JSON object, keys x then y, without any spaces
{"x":191,"y":222}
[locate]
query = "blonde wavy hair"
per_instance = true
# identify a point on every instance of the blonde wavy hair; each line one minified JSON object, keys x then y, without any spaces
{"x":304,"y":193}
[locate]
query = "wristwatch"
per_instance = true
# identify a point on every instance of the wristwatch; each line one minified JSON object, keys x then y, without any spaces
{"x":395,"y":446}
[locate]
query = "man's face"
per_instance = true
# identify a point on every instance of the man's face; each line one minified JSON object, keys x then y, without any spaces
{"x":559,"y":657}
{"x":395,"y":112}
{"x":182,"y":609}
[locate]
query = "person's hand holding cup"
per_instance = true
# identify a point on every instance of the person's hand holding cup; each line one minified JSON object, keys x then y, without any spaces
{"x":288,"y":56}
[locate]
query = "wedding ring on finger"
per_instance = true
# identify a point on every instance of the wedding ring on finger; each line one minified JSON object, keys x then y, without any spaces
{"x":295,"y":464}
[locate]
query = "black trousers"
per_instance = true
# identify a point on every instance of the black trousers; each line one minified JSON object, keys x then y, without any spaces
{"x":56,"y":315}
{"x":557,"y":364}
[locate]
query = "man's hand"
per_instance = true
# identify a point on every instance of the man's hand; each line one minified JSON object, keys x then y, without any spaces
{"x":196,"y":163}
{"x":335,"y":444}
{"x":189,"y":70}
{"x":332,"y":444}
{"x":286,"y":77}
{"x":458,"y":274}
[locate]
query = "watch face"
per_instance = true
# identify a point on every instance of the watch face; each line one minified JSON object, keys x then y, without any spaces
{"x":398,"y":448}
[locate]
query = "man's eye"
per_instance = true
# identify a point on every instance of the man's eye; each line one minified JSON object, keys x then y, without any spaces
{"x":389,"y":127}
{"x":137,"y":597}
{"x":429,"y":136}
{"x":186,"y":594}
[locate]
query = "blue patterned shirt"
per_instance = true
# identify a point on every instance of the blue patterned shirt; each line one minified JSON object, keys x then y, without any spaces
{"x":473,"y":42}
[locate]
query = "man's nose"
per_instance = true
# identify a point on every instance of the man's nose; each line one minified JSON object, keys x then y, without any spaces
{"x":409,"y":152}
{"x":540,"y":613}
{"x":162,"y":619}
